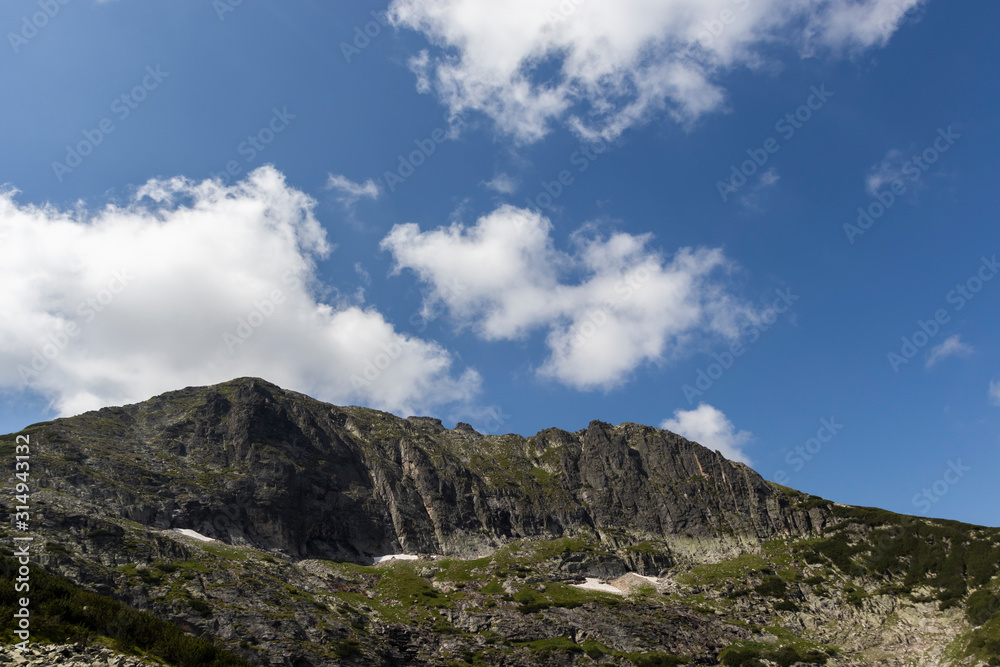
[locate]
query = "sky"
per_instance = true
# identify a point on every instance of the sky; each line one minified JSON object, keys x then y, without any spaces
{"x":767,"y":225}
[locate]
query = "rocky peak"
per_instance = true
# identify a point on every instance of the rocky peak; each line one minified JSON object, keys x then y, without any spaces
{"x":247,"y":462}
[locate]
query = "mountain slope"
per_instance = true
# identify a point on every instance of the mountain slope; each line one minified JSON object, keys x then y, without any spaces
{"x":299,"y":495}
{"x":249,"y":463}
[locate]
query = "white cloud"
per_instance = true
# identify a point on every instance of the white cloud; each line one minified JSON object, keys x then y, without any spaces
{"x":504,"y":278}
{"x":769,"y":178}
{"x":350,"y":192}
{"x":994,"y":392}
{"x":708,"y":426}
{"x":502,"y":183}
{"x":951,"y":347}
{"x":885,"y":172}
{"x":192,"y":260}
{"x":601,"y":67}
{"x":752,"y":199}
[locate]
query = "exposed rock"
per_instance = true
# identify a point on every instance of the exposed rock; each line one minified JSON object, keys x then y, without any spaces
{"x":67,"y":655}
{"x":300,"y":495}
{"x":249,"y":463}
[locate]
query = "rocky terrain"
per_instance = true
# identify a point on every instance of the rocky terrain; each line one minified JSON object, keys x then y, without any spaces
{"x":68,"y":655}
{"x":621,"y":544}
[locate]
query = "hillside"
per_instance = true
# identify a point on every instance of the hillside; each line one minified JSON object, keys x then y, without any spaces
{"x":614,"y":544}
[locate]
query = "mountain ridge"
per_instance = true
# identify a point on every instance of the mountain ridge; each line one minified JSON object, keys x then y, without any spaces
{"x":518,"y":539}
{"x":628,"y":475}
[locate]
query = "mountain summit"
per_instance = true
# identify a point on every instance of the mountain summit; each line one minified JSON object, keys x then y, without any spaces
{"x":256,"y":515}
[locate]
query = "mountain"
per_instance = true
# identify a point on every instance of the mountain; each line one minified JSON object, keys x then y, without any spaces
{"x":618,"y":544}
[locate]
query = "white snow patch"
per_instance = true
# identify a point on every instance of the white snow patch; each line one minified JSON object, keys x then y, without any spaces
{"x":193,"y":533}
{"x":594,"y":584}
{"x":383,"y":559}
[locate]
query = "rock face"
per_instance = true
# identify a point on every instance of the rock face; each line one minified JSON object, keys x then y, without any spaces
{"x":716,"y":564}
{"x":67,"y":655}
{"x":251,"y":464}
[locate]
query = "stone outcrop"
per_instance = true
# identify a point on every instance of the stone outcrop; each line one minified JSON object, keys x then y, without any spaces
{"x":249,"y":463}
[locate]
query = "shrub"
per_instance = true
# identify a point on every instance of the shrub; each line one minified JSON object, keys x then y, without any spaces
{"x":657,"y":660}
{"x":751,"y":654}
{"x":981,"y":606}
{"x":773,"y":586}
{"x":64,"y":613}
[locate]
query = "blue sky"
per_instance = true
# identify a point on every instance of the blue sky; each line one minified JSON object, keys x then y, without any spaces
{"x":393,"y":230}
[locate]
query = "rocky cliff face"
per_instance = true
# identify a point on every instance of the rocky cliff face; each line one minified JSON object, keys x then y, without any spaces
{"x":249,"y":463}
{"x":622,"y":545}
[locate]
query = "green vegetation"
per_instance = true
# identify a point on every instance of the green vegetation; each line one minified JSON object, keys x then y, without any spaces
{"x":909,"y":552}
{"x":401,"y":583}
{"x":655,"y":659}
{"x":981,"y":606}
{"x":773,"y":586}
{"x":63,"y":612}
{"x":735,"y":569}
{"x":462,"y":571}
{"x":545,"y":648}
{"x":347,"y":648}
{"x":750,"y":654}
{"x":984,"y":642}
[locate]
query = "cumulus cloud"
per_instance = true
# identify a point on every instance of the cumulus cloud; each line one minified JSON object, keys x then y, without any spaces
{"x":349,"y":191}
{"x":601,"y":67}
{"x":951,"y":347}
{"x":708,"y":426}
{"x":196,"y":283}
{"x":626,"y":307}
{"x":994,"y":392}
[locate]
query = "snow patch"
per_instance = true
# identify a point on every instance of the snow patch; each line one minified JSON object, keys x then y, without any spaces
{"x":383,"y":559}
{"x":594,"y":584}
{"x":193,"y":533}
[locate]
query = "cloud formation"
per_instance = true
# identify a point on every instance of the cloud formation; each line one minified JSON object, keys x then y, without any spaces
{"x":351,"y":192}
{"x":600,"y":67}
{"x":951,"y":347}
{"x":708,"y":426}
{"x":627,"y":305}
{"x":196,"y":283}
{"x":994,"y":392}
{"x":502,"y":183}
